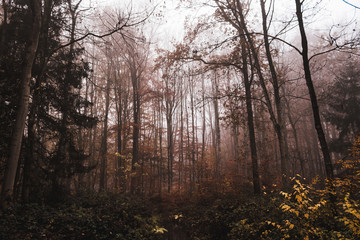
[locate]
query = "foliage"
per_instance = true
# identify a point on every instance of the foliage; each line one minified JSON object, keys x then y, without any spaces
{"x":343,"y":105}
{"x":85,"y":217}
{"x":225,"y":216}
{"x":302,"y":213}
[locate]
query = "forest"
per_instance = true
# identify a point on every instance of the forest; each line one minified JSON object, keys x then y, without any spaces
{"x":189,"y":119}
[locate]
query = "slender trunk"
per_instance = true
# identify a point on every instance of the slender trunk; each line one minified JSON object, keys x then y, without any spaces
{"x":217,"y":139}
{"x":169,"y":147}
{"x":119,"y":107}
{"x":104,"y":147}
{"x":297,"y":145}
{"x":193,"y":160}
{"x":93,"y":139}
{"x":188,"y":147}
{"x":181,"y":157}
{"x":314,"y":104}
{"x":135,"y":79}
{"x":250,"y":120}
{"x":160,"y":164}
{"x":279,"y":124}
{"x":203,"y":129}
{"x":22,"y":111}
{"x":154,"y":166}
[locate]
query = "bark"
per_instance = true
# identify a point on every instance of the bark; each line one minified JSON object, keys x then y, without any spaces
{"x":265,"y":91}
{"x":314,"y":104}
{"x":217,"y":139}
{"x":193,"y":160}
{"x":119,"y":109}
{"x":42,"y":50}
{"x":181,"y":155}
{"x":160,"y":163}
{"x":169,"y":108}
{"x":239,"y":23}
{"x":297,"y":145}
{"x":170,"y":147}
{"x":279,"y":124}
{"x":103,"y":165}
{"x":93,"y":133}
{"x":4,"y":27}
{"x":203,"y":130}
{"x":135,"y":79}
{"x":188,"y":157}
{"x":250,"y":120}
{"x":22,"y":111}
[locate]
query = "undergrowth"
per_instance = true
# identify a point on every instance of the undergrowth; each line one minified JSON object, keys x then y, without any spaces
{"x":83,"y":217}
{"x":304,"y":212}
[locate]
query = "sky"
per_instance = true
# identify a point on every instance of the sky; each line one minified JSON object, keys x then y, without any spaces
{"x":167,"y":25}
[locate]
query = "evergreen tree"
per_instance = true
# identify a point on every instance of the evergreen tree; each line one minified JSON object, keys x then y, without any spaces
{"x":50,"y":153}
{"x":344,"y":106}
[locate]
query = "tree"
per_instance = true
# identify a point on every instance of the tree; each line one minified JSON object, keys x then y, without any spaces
{"x":343,"y":106}
{"x":250,"y":118}
{"x":104,"y":145}
{"x":279,"y":124}
{"x":312,"y":93}
{"x":216,"y":134}
{"x":234,"y":13}
{"x":22,"y":111}
{"x":136,"y":61}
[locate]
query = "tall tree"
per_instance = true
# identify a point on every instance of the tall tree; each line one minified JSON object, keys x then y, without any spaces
{"x":22,"y":111}
{"x":217,"y":135}
{"x":233,"y":11}
{"x":250,"y":118}
{"x":104,"y":145}
{"x":312,"y":93}
{"x":279,"y":124}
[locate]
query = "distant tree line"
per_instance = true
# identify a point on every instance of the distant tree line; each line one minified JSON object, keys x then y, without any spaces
{"x":102,"y":111}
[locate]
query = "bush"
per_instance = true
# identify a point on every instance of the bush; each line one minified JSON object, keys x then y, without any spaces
{"x":302,"y":213}
{"x":86,"y":217}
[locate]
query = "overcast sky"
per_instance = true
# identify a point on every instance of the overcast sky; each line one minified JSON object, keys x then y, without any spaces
{"x":169,"y":26}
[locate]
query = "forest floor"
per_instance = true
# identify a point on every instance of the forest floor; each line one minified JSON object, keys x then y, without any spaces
{"x":302,"y":213}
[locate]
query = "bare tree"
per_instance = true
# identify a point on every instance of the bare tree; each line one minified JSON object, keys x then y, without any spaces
{"x":312,"y":93}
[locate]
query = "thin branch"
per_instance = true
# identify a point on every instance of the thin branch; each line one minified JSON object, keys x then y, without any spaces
{"x":117,"y":29}
{"x":351,"y":4}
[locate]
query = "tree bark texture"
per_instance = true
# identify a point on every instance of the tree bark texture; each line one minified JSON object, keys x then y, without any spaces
{"x":22,"y":111}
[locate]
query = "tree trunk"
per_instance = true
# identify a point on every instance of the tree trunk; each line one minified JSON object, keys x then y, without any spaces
{"x":250,"y":120}
{"x":313,"y":98}
{"x":203,"y":130}
{"x":135,"y":79}
{"x":103,"y":165}
{"x":217,"y":139}
{"x":4,"y":27}
{"x":160,"y":163}
{"x":22,"y":111}
{"x":193,"y":160}
{"x":181,"y":155}
{"x":169,"y":108}
{"x":279,"y":125}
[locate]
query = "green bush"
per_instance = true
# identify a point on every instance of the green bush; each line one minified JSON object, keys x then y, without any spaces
{"x":88,"y":217}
